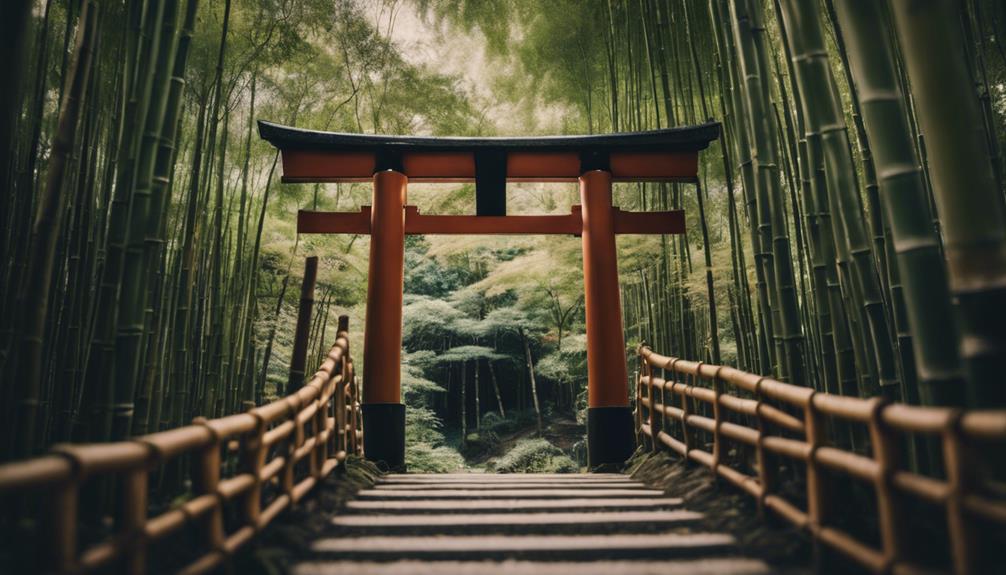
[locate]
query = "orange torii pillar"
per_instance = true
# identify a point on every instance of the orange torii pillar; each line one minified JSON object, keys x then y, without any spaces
{"x":383,"y":410}
{"x":610,"y":435}
{"x":390,"y":162}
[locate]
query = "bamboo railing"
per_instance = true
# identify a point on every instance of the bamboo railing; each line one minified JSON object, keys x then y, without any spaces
{"x":244,"y":469}
{"x":788,"y":423}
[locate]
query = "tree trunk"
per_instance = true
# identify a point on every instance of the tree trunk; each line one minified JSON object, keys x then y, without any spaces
{"x":464,"y":404}
{"x":301,"y":335}
{"x":478,"y":399}
{"x":496,"y":388}
{"x":530,"y":373}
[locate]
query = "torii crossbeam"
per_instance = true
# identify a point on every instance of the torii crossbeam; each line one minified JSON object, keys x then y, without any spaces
{"x":392,"y":161}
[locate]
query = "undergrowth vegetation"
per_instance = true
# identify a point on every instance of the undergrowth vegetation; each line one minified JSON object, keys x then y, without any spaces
{"x":535,"y":456}
{"x":426,"y":449}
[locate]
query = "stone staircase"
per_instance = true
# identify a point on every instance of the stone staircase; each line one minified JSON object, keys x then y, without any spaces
{"x":541,"y":524}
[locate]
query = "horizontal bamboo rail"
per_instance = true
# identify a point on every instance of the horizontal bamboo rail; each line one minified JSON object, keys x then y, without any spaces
{"x":679,"y":402}
{"x":249,"y":466}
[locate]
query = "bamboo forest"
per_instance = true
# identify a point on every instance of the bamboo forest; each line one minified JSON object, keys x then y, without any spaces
{"x":696,"y":286}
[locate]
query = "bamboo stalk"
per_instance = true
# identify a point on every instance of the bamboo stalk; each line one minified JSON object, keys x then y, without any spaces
{"x":825,"y":119}
{"x":916,"y":247}
{"x":46,"y":229}
{"x":970,"y":205}
{"x":769,"y":198}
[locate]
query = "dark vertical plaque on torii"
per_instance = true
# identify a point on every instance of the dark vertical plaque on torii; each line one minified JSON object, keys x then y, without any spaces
{"x":490,"y":182}
{"x":390,"y":162}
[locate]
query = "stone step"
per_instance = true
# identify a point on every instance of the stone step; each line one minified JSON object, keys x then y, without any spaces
{"x":530,"y":493}
{"x":510,"y":505}
{"x":513,"y":485}
{"x":577,"y":479}
{"x":724,"y":566}
{"x":503,"y":476}
{"x":541,"y":547}
{"x":516,"y":523}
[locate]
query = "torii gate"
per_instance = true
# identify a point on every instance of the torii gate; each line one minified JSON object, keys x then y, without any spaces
{"x":392,"y":161}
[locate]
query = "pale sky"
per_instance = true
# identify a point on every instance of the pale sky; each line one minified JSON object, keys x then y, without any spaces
{"x":454,"y":52}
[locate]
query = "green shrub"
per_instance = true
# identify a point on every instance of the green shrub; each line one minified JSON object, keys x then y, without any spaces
{"x":422,"y":426}
{"x":479,"y":443}
{"x":491,"y":419}
{"x":515,"y":421}
{"x":535,"y":456}
{"x":424,"y":458}
{"x":425,"y":451}
{"x":579,"y":452}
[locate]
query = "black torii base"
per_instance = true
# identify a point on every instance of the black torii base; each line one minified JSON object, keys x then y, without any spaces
{"x":611,"y":438}
{"x":384,"y":435}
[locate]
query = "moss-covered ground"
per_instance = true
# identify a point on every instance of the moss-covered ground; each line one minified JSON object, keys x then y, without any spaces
{"x":726,"y":510}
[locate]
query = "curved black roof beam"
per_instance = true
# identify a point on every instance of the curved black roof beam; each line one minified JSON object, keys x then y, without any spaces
{"x":656,"y":155}
{"x":683,"y":139}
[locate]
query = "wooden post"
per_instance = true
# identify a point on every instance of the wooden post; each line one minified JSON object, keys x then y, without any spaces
{"x":819,"y":493}
{"x":686,"y":410}
{"x":299,"y":360}
{"x":205,"y":481}
{"x":718,"y":416}
{"x":383,"y":411}
{"x":960,"y":480}
{"x":355,"y":416}
{"x":253,"y":456}
{"x":610,"y":440}
{"x":890,"y":508}
{"x":59,"y":528}
{"x":766,"y":469}
{"x":342,"y":441}
{"x":645,"y":371}
{"x":132,"y":493}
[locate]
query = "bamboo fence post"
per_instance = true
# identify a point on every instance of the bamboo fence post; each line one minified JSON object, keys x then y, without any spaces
{"x":355,"y":428}
{"x":318,"y":428}
{"x":653,"y":420}
{"x":686,"y":410}
{"x":818,"y":496}
{"x":133,"y":518}
{"x":344,"y":395}
{"x":671,"y":382}
{"x":59,"y":527}
{"x":331,"y":407}
{"x":890,"y":508}
{"x":294,"y":441}
{"x":253,"y":454}
{"x":205,"y":481}
{"x":718,"y":418}
{"x":766,"y":475}
{"x":959,"y":480}
{"x":640,"y":374}
{"x":341,"y":407}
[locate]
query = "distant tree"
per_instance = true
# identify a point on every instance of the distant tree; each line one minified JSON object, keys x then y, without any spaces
{"x":463,"y":355}
{"x":510,"y":322}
